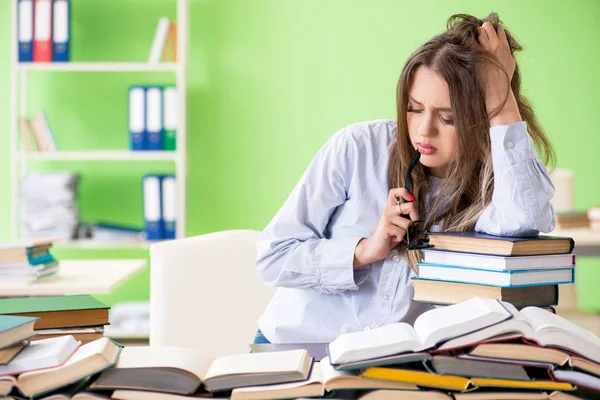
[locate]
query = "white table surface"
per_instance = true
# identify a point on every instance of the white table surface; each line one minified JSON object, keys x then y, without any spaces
{"x":78,"y":277}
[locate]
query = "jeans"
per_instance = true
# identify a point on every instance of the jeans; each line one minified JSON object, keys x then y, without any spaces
{"x":260,"y":338}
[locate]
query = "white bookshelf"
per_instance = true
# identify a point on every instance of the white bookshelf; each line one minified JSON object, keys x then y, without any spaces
{"x":97,"y":67}
{"x":103,"y":155}
{"x":21,"y":159}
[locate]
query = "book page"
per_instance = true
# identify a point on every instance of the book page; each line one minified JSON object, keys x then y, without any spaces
{"x":258,"y":363}
{"x":456,"y":320}
{"x":328,"y":373}
{"x":164,"y":356}
{"x":383,"y":341}
{"x":551,"y":329}
{"x":315,"y":379}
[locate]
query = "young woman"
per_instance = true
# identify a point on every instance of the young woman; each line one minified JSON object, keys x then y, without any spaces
{"x":337,"y":248}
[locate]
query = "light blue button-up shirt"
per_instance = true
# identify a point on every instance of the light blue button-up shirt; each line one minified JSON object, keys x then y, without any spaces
{"x":307,"y":250}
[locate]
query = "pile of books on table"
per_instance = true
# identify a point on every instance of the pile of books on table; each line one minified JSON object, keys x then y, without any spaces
{"x":26,"y":261}
{"x":477,"y":349}
{"x":522,"y":271}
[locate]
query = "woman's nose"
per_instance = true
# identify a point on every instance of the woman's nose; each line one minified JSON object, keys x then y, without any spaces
{"x":427,"y":126}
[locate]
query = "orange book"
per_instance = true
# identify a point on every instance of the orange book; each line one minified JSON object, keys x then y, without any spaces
{"x":170,"y":50}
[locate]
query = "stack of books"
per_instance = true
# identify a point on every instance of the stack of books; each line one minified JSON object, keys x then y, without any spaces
{"x":522,"y":271}
{"x":80,"y":316}
{"x":481,"y":349}
{"x":26,"y":261}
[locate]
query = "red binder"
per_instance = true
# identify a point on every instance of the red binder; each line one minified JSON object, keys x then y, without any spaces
{"x":42,"y":32}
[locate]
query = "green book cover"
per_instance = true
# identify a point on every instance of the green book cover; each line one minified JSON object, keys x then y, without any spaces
{"x":8,"y":322}
{"x":22,"y":305}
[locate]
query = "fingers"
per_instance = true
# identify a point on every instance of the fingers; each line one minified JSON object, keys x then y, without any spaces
{"x":399,"y":193}
{"x":501,"y":34}
{"x":396,"y":228}
{"x":409,"y":209}
{"x":488,"y":36}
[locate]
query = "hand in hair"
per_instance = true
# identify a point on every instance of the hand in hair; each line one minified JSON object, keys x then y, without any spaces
{"x":500,"y":101}
{"x":390,"y":230}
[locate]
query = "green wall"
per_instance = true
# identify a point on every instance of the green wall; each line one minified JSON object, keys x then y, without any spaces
{"x":271,"y":80}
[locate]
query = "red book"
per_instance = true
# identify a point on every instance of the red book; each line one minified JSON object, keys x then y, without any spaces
{"x":42,"y":31}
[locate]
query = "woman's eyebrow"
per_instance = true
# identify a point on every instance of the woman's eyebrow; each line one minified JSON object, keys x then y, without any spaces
{"x":447,"y":109}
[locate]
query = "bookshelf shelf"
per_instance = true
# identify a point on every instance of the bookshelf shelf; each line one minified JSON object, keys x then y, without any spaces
{"x":22,"y":90}
{"x":102,"y":155}
{"x":97,"y":67}
{"x":101,"y":245}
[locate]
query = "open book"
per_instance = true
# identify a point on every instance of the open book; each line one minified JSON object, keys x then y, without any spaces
{"x":538,"y":325}
{"x":182,"y":371}
{"x":322,"y":378}
{"x":87,"y":360}
{"x":45,"y":353}
{"x":525,"y":354}
{"x":430,"y":328}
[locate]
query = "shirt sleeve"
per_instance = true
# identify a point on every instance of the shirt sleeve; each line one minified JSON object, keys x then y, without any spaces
{"x":522,"y":187}
{"x":294,"y":250}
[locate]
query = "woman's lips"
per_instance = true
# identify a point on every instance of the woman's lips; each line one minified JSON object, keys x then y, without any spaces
{"x":426,"y":149}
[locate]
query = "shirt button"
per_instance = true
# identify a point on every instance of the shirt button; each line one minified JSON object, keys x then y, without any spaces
{"x":385,"y":297}
{"x":396,"y":258}
{"x":367,"y":328}
{"x":509,"y":144}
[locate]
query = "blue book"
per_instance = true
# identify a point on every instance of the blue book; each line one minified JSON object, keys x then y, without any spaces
{"x":137,"y":118}
{"x":14,"y":329}
{"x":153,"y":220}
{"x":482,"y":243}
{"x":513,"y":278}
{"x":25,"y":30}
{"x":61,"y":30}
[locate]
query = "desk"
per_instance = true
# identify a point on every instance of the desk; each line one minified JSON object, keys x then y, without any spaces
{"x":587,"y":242}
{"x":79,"y":277}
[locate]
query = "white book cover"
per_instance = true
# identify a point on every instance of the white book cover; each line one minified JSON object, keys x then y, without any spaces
{"x":159,"y":41}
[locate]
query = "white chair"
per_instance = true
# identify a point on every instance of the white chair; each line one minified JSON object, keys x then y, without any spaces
{"x":205,"y":293}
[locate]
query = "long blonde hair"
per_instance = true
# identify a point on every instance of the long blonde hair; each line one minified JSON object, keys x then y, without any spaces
{"x":467,"y":191}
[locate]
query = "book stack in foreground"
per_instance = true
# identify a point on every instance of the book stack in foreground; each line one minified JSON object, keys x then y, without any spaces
{"x":522,"y":271}
{"x":480,"y":349}
{"x":26,"y":261}
{"x":81,"y":316}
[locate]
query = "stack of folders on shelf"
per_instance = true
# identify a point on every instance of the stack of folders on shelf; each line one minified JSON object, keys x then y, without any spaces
{"x":27,"y":261}
{"x":153,"y":116}
{"x":44,"y":30}
{"x":522,"y":271}
{"x":481,"y":349}
{"x":160,"y":206}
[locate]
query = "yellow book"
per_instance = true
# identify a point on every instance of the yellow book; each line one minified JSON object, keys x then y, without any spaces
{"x":457,"y":383}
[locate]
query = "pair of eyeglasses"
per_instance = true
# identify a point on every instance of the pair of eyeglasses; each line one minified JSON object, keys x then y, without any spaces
{"x":412,"y":237}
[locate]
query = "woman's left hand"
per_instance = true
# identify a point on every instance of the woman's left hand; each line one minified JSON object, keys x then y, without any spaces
{"x":497,"y":84}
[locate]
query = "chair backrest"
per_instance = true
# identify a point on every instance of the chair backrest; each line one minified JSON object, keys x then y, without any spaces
{"x":205,"y":293}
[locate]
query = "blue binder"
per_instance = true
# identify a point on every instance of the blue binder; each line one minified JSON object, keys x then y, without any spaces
{"x":25,"y":30}
{"x":153,"y":221}
{"x":137,"y":118}
{"x":154,"y":117}
{"x":61,"y":30}
{"x":168,"y":195}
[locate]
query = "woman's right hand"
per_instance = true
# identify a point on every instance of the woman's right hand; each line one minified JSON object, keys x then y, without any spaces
{"x":390,"y":230}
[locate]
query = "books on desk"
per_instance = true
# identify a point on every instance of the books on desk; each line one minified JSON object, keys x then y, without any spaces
{"x":453,"y":362}
{"x":523,"y":271}
{"x":82,"y":316}
{"x":26,"y":261}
